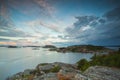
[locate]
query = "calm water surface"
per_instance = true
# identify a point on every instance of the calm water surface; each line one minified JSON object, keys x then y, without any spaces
{"x":14,"y":60}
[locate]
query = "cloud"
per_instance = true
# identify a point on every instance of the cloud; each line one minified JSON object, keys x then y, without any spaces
{"x":34,"y":31}
{"x":113,"y":14}
{"x":91,"y":29}
{"x":1,"y":39}
{"x":82,"y":26}
{"x":7,"y":26}
{"x":11,"y":32}
{"x":8,"y":29}
{"x":35,"y":24}
{"x":40,"y":24}
{"x":46,"y":6}
{"x":18,"y":40}
{"x":55,"y":39}
{"x":7,"y":43}
{"x":35,"y":8}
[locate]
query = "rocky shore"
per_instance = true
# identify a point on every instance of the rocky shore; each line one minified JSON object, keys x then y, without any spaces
{"x":63,"y":71}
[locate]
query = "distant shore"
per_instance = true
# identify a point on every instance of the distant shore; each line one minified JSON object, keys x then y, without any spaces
{"x":74,"y":48}
{"x":82,"y":49}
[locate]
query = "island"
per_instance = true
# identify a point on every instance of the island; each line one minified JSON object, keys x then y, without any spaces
{"x":82,"y":49}
{"x":11,"y":46}
{"x":49,"y":46}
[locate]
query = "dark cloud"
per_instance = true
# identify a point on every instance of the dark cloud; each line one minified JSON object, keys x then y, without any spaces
{"x":5,"y":23}
{"x":115,"y":2}
{"x":2,"y":39}
{"x":82,"y":26}
{"x":84,"y":20}
{"x":13,"y":33}
{"x":102,"y":21}
{"x":91,"y":29}
{"x":113,"y":14}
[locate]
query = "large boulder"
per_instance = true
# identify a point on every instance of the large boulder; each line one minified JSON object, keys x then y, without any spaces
{"x":70,"y":74}
{"x":102,"y":73}
{"x":81,"y":77}
{"x":45,"y":68}
{"x":48,"y":76}
{"x":65,"y":65}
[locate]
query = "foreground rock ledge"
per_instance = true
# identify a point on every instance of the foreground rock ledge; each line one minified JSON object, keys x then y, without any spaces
{"x":63,"y":71}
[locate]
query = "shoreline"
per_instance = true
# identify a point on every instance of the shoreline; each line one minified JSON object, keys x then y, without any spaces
{"x":64,"y":71}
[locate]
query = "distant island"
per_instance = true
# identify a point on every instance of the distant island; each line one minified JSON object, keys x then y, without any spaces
{"x":13,"y":47}
{"x":49,"y":46}
{"x":73,"y":48}
{"x":82,"y":49}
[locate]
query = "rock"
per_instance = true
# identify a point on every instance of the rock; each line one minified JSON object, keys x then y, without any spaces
{"x":50,"y":76}
{"x":38,"y":78}
{"x":65,"y":65}
{"x":70,"y":74}
{"x":16,"y":76}
{"x":81,"y":77}
{"x":103,"y":73}
{"x":50,"y":66}
{"x":27,"y":71}
{"x":45,"y":67}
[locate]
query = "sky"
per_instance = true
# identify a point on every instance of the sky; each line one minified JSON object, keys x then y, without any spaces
{"x":59,"y":22}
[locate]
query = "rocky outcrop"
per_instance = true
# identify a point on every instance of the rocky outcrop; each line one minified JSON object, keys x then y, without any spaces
{"x":63,"y":71}
{"x":102,"y":73}
{"x":50,"y":71}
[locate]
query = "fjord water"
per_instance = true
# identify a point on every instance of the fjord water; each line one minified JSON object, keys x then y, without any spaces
{"x":14,"y":60}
